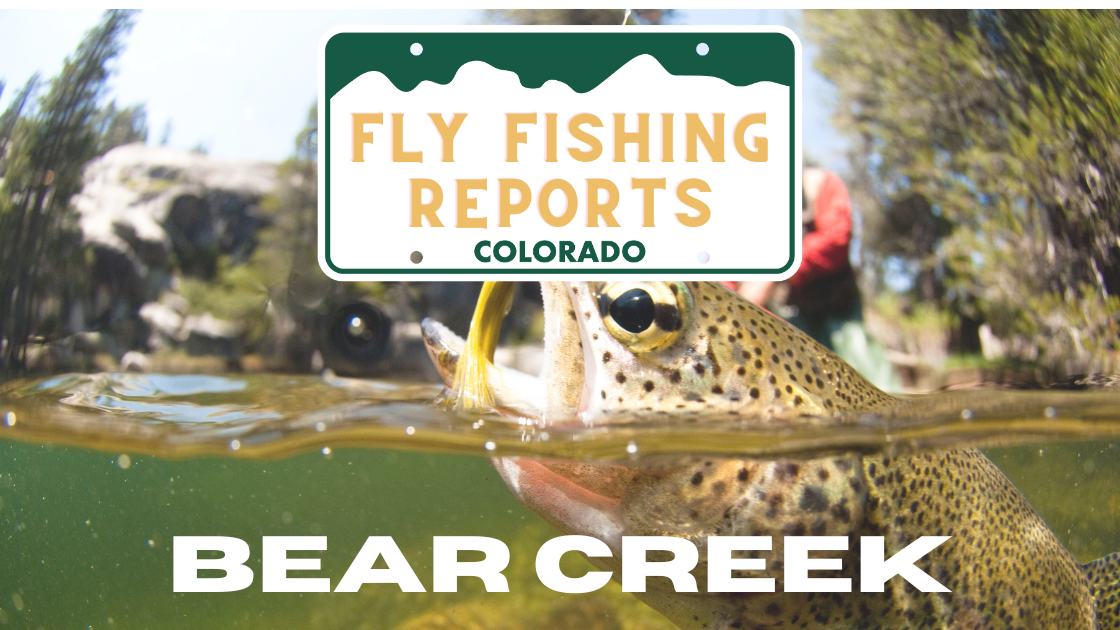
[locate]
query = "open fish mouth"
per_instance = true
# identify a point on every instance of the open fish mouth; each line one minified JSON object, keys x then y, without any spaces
{"x":467,"y":366}
{"x":574,"y":497}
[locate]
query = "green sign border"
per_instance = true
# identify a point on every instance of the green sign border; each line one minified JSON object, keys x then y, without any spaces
{"x":582,"y":60}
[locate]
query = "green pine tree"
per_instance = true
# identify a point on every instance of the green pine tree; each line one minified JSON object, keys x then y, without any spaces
{"x":40,"y":245}
{"x":987,"y":155}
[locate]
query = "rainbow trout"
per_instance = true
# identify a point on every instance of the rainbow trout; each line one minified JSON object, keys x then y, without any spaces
{"x":673,"y":348}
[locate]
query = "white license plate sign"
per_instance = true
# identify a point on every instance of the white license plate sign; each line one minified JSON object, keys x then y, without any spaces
{"x":499,"y":153}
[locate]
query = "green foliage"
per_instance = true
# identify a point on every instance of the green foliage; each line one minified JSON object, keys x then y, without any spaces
{"x":116,"y":127}
{"x":46,"y":151}
{"x":237,"y":293}
{"x":986,"y":149}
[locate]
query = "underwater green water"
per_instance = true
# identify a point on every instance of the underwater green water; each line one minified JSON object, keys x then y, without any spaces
{"x":86,"y":524}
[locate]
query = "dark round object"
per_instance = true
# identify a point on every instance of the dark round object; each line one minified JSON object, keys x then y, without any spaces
{"x":633,"y":310}
{"x":359,"y":332}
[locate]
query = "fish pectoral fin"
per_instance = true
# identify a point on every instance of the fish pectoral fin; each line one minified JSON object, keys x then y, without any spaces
{"x":1104,"y":580}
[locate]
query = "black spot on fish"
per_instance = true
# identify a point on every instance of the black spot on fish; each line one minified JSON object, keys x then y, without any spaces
{"x":786,"y":471}
{"x":667,"y":317}
{"x":698,"y":478}
{"x":755,"y":393}
{"x":648,"y":386}
{"x":620,"y":377}
{"x":675,"y":377}
{"x":717,"y":390}
{"x":813,"y":499}
{"x":606,"y":357}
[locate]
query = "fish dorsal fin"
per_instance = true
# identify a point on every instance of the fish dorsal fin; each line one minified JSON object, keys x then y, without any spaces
{"x":1104,"y":580}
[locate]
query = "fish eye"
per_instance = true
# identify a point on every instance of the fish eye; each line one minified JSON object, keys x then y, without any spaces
{"x":644,"y":316}
{"x":633,"y":310}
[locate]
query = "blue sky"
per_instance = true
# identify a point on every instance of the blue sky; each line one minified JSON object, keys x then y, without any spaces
{"x":240,"y":82}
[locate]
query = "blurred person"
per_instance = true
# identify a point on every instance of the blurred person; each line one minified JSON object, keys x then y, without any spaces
{"x":822,"y":298}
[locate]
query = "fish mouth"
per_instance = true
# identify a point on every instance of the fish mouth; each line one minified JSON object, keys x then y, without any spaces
{"x":573,"y":497}
{"x":558,"y":395}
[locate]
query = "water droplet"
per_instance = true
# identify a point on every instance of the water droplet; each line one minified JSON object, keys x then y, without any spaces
{"x":124,"y":461}
{"x":10,"y":419}
{"x":544,"y":436}
{"x":151,"y":543}
{"x":327,"y":452}
{"x":410,"y":430}
{"x":315,"y":529}
{"x":320,"y":427}
{"x":286,"y":518}
{"x":490,"y":446}
{"x":17,"y":601}
{"x":1050,"y":412}
{"x":632,"y":448}
{"x":967,"y":414}
{"x":234,"y":445}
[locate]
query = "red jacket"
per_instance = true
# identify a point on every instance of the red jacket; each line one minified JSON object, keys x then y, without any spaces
{"x":824,"y":251}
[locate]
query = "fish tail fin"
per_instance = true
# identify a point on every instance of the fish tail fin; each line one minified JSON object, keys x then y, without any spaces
{"x":1104,"y":580}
